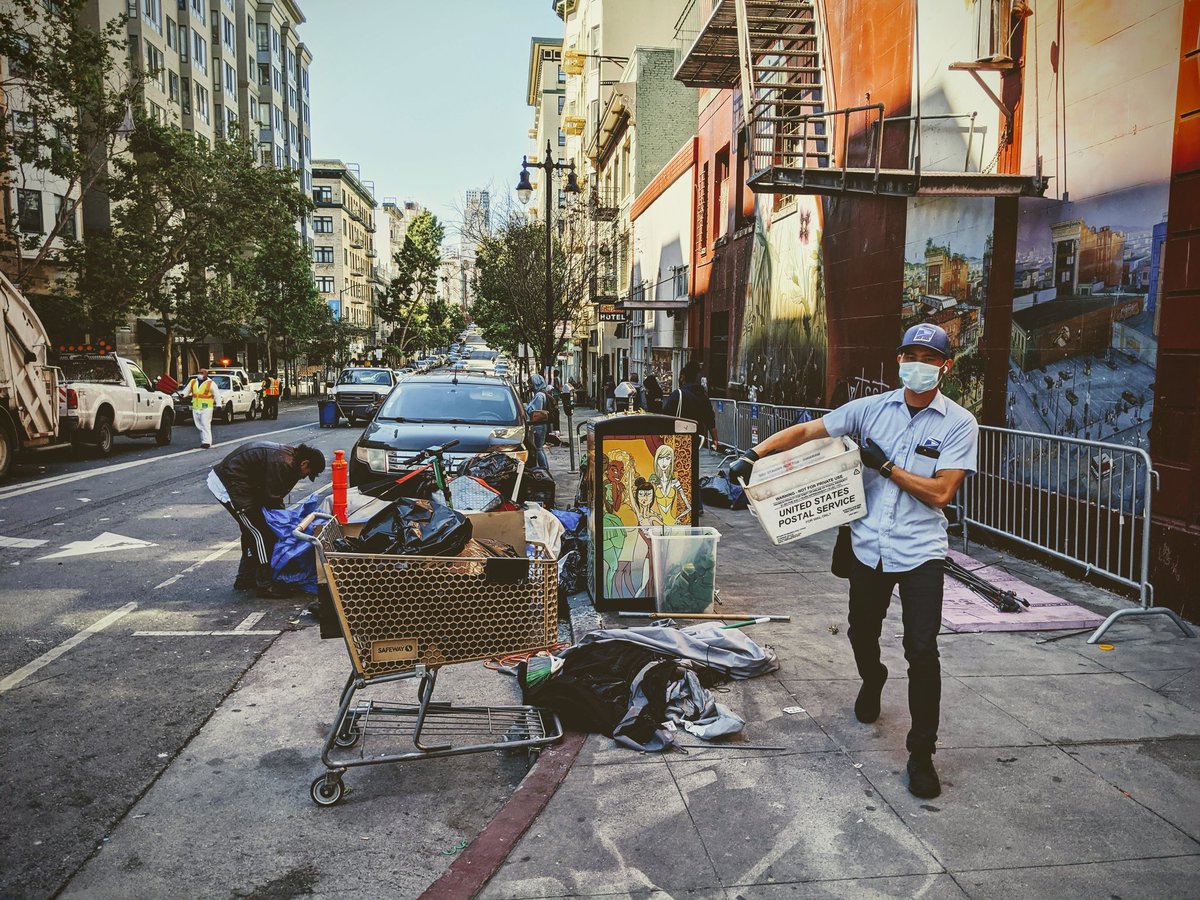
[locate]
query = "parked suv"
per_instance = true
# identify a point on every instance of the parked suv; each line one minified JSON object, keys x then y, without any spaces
{"x":481,"y":413}
{"x":360,"y":391}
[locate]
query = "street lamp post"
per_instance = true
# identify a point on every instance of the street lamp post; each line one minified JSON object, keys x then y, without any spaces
{"x":524,"y":192}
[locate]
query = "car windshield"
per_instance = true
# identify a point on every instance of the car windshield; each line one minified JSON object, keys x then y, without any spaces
{"x":221,"y":381}
{"x":440,"y":401}
{"x":94,"y":371}
{"x":366,"y":376}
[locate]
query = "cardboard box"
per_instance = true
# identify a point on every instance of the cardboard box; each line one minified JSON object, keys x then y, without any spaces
{"x":807,"y":490}
{"x":505,"y":527}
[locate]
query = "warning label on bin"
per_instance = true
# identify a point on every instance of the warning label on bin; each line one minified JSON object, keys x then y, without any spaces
{"x":394,"y":650}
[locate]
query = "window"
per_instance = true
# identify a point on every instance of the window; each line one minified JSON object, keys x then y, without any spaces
{"x":199,"y":51}
{"x":230,"y":80}
{"x":139,"y":378}
{"x":562,"y":138}
{"x":262,"y":41}
{"x":173,"y":86}
{"x":230,"y":39}
{"x":323,"y":224}
{"x":154,"y":65}
{"x":304,"y":79}
{"x":562,"y":76}
{"x":183,"y":43}
{"x":278,"y":118}
{"x":702,"y":212}
{"x":152,"y":13}
{"x":29,"y":211}
{"x":275,"y":83}
{"x":264,"y":74}
{"x":562,"y":101}
{"x":720,"y":192}
{"x":323,"y":254}
{"x":249,"y":27}
{"x":202,"y":102}
{"x":23,"y":121}
{"x":185,"y":95}
{"x":680,"y":279}
{"x":253,"y":109}
{"x":306,"y":114}
{"x":198,"y":10}
{"x":172,"y":34}
{"x":275,"y":41}
{"x":325,"y":284}
{"x":232,"y":125}
{"x":68,"y":229}
{"x":278,"y":157}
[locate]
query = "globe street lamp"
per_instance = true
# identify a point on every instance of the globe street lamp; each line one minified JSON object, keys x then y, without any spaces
{"x":525,"y":190}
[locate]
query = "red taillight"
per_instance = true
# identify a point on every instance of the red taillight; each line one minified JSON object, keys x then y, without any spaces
{"x":72,"y":399}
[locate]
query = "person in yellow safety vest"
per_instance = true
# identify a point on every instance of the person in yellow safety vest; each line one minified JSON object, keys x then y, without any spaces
{"x":271,"y":388}
{"x":205,"y":398}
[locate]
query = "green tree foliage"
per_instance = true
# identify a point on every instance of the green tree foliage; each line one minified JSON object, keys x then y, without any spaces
{"x":67,"y":99}
{"x":511,"y":306}
{"x":406,"y":303}
{"x":199,"y":237}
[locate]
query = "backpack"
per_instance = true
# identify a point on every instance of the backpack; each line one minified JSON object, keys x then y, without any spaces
{"x":551,"y":402}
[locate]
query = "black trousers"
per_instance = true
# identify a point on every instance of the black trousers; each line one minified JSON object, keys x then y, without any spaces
{"x":921,"y":605}
{"x":270,"y":406}
{"x":258,"y":543}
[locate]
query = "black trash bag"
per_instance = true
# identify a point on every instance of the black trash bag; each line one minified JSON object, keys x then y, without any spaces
{"x":415,"y":528}
{"x":722,"y":492}
{"x":499,"y":470}
{"x":419,"y":483}
{"x":327,"y":617}
{"x":572,"y":571}
{"x":538,"y":485}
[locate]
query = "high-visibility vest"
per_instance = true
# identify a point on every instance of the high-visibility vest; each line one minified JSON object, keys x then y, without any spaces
{"x":271,"y":387}
{"x":202,"y":394}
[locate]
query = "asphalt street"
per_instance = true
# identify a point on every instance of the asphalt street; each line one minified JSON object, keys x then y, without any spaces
{"x":95,"y":557}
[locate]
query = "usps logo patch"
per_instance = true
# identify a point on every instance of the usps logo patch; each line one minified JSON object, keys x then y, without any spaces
{"x":924,"y":334}
{"x":931,"y":443}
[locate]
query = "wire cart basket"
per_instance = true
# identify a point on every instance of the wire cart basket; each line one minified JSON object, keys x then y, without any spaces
{"x":407,"y":616}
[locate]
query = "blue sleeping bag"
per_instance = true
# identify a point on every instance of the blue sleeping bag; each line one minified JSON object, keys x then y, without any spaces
{"x":293,"y":561}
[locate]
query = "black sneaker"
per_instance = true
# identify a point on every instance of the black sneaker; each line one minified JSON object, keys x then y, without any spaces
{"x":244,"y":584}
{"x":866,"y":707}
{"x":274,"y":591}
{"x":922,"y":779}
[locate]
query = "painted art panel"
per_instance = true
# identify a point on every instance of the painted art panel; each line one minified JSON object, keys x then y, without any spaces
{"x":647,"y":482}
{"x":781,"y":357}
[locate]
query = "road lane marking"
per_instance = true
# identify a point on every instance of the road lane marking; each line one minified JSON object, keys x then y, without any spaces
{"x":220,"y":551}
{"x":70,"y":478}
{"x":51,"y":655}
{"x":244,"y":628}
{"x":22,"y":543}
{"x":105,"y":542}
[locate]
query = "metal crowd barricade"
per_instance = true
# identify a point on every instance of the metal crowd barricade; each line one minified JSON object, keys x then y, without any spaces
{"x":1084,"y":502}
{"x":755,"y":422}
{"x":725,"y":412}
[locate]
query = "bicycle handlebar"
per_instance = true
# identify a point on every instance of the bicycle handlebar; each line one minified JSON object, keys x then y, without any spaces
{"x":433,"y":451}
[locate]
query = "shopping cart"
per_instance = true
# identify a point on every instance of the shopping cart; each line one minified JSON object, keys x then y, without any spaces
{"x":406,"y":617}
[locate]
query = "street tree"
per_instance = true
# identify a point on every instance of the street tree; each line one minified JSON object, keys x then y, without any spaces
{"x":405,"y":304}
{"x":511,"y":306}
{"x":69,"y":98}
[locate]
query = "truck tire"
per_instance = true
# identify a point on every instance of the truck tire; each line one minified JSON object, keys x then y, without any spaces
{"x":252,"y":412}
{"x":102,"y":434}
{"x":162,"y":437}
{"x":8,"y":449}
{"x":227,"y":414}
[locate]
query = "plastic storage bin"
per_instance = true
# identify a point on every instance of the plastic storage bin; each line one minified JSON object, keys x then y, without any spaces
{"x":327,"y":413}
{"x":684,"y":562}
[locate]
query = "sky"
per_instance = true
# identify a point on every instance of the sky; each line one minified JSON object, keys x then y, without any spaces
{"x":427,"y":96}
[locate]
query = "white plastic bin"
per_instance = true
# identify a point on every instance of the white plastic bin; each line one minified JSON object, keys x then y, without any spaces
{"x":808,"y":489}
{"x":684,"y":561}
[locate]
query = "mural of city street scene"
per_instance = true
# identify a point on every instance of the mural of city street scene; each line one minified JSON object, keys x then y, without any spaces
{"x":947,"y":257}
{"x":782,"y":353}
{"x":1085,"y":335}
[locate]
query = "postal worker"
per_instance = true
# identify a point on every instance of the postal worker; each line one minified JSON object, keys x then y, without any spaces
{"x":919,"y":446}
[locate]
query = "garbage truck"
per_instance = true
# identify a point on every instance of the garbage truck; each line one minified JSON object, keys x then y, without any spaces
{"x":29,"y":385}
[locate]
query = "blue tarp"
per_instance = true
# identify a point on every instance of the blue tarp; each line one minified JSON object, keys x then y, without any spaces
{"x":293,"y":561}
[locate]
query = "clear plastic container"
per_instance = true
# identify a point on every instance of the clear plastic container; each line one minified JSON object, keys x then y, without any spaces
{"x":684,"y":561}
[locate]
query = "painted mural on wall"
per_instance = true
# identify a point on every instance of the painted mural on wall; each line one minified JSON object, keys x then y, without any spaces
{"x":947,"y":257}
{"x":782,"y":353}
{"x":1085,"y":335}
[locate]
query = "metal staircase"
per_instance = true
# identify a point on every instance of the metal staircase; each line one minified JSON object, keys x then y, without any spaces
{"x":800,"y":142}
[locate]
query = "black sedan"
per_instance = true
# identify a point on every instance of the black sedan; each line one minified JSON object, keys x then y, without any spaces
{"x":481,"y":413}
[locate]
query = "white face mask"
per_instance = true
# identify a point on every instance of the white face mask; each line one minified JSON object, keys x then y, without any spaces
{"x":919,"y":377}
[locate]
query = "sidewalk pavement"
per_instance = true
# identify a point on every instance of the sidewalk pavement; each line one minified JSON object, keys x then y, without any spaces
{"x":1067,"y":771}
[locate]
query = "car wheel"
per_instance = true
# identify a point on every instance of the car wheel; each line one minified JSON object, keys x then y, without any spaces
{"x":162,"y":437}
{"x":252,"y":412}
{"x":227,"y":416}
{"x":103,"y":434}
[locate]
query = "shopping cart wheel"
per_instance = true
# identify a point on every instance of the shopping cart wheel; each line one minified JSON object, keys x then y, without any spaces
{"x":325,"y":792}
{"x":349,"y":733}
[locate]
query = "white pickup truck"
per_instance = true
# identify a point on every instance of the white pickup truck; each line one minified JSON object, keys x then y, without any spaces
{"x":253,"y":381}
{"x":103,"y":396}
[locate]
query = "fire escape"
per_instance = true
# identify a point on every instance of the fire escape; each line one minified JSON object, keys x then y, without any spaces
{"x":773,"y":51}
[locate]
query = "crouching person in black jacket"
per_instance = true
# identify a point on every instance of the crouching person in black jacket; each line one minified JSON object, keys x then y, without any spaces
{"x":256,"y":475}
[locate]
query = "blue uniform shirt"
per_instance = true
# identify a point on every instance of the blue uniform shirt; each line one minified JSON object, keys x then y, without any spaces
{"x":899,"y":530}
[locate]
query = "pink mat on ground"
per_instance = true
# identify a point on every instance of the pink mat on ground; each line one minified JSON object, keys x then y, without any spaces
{"x":964,"y":610}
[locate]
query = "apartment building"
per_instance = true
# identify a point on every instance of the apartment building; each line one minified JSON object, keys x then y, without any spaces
{"x":545,"y":92}
{"x":344,"y":241}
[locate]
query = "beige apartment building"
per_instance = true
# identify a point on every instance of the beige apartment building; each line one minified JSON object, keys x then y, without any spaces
{"x":546,"y":93}
{"x":344,"y":242}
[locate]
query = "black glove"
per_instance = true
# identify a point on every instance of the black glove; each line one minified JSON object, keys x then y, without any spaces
{"x":872,"y":454}
{"x":742,"y":467}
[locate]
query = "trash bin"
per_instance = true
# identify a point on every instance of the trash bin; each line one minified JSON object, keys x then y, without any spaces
{"x":684,"y":560}
{"x":644,"y":474}
{"x":327,"y":413}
